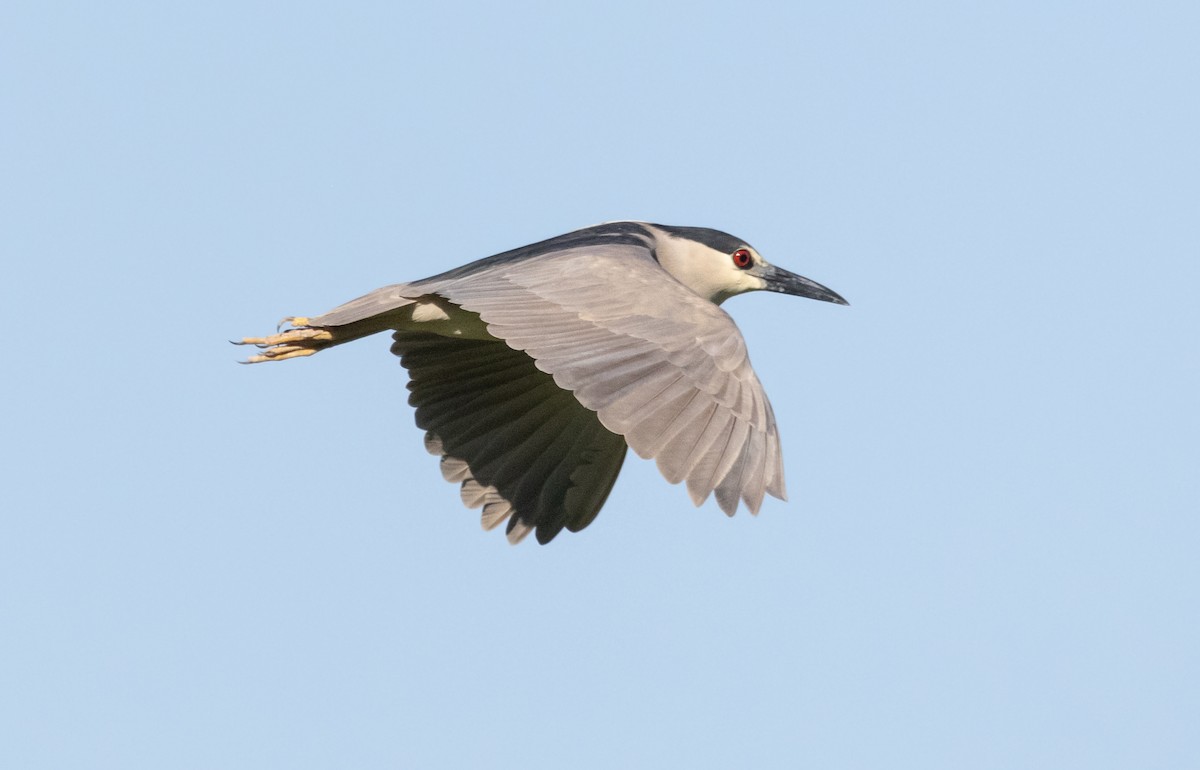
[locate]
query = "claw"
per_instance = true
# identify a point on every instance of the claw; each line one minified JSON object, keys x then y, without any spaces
{"x":273,"y":355}
{"x":289,"y":337}
{"x":301,"y":340}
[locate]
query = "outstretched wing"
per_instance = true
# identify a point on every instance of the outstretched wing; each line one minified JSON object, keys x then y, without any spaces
{"x":524,"y":449}
{"x":660,"y":365}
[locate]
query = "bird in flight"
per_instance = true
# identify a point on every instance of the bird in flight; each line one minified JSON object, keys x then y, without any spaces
{"x":532,"y":370}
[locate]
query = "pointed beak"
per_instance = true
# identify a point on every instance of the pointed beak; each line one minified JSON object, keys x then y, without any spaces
{"x":785,"y":282}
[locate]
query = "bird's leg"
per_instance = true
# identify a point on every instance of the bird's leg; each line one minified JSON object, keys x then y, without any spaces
{"x":300,"y":340}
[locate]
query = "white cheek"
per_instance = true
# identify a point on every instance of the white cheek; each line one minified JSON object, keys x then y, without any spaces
{"x":742,"y":282}
{"x":733,"y":282}
{"x":752,"y":283}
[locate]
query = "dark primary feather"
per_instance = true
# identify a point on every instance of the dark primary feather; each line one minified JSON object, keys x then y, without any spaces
{"x":523,"y":448}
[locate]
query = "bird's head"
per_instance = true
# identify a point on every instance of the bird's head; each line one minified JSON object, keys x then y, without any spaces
{"x":717,"y":266}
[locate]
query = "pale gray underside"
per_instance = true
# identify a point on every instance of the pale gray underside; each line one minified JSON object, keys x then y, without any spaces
{"x":657,"y":364}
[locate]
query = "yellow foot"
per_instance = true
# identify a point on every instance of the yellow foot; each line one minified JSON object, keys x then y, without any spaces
{"x":302,"y":340}
{"x":292,"y":320}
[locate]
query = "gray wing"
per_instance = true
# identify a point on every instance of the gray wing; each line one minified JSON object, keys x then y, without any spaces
{"x":524,"y":449}
{"x":660,"y":365}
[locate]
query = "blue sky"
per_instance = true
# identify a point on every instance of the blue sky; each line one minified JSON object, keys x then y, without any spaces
{"x":989,"y":555}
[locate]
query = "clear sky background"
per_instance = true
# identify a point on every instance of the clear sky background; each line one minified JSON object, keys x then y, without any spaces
{"x":989,"y":558}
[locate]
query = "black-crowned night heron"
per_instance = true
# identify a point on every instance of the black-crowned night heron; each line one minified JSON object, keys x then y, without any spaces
{"x":532,"y":370}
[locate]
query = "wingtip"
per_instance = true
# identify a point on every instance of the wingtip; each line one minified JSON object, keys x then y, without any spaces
{"x":727,"y":500}
{"x":697,"y":492}
{"x":517,"y":531}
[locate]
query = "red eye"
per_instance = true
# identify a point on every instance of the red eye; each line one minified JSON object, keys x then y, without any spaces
{"x":742,"y":259}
